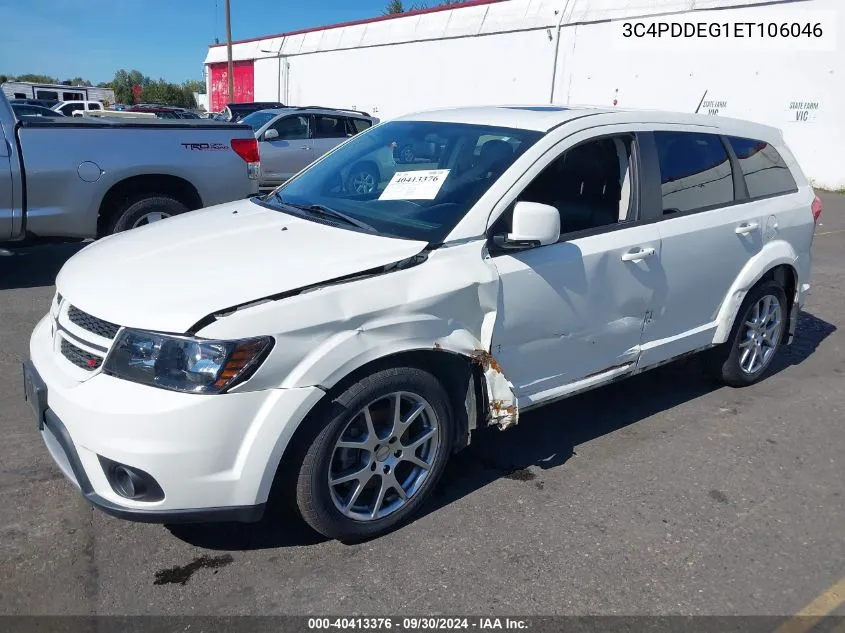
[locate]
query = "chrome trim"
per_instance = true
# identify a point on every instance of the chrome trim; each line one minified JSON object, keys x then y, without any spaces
{"x":73,"y":338}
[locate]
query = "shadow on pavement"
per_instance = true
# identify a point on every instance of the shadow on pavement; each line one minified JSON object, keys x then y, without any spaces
{"x":33,"y":266}
{"x":278,"y":528}
{"x":543,"y":439}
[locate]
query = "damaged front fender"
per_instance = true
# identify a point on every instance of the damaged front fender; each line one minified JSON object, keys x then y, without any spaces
{"x":448,"y":302}
{"x":501,"y":400}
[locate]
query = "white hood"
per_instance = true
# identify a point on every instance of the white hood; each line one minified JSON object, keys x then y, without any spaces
{"x":168,"y":275}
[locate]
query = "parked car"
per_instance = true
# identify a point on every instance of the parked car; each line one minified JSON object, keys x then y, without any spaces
{"x":341,"y":346}
{"x":234,"y":112}
{"x":44,"y":103}
{"x":413,"y":150}
{"x":163,"y":112}
{"x":21,"y":110}
{"x":67,"y":108}
{"x":80,"y":177}
{"x":291,"y":138}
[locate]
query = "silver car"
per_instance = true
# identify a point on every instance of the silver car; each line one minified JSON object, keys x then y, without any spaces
{"x":291,"y":138}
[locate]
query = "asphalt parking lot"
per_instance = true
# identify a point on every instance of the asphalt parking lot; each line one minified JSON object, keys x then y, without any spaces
{"x":663,"y":494}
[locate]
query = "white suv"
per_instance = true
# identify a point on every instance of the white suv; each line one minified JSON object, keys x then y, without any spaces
{"x":344,"y":344}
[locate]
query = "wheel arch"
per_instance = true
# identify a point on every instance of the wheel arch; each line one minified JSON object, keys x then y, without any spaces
{"x":776,"y":261}
{"x":153,"y":184}
{"x":461,"y":375}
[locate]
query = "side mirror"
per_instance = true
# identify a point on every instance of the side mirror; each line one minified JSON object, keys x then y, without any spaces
{"x":534,"y":224}
{"x":271,"y":135}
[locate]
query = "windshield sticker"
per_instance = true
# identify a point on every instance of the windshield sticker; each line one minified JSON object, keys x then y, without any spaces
{"x":415,"y":185}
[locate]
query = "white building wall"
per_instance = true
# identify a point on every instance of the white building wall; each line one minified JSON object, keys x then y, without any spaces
{"x":759,"y":86}
{"x":388,"y":81}
{"x":269,"y":79}
{"x":508,"y":52}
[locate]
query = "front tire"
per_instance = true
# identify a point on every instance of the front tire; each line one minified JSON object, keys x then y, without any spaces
{"x":755,"y":337}
{"x":379,"y":450}
{"x":407,"y":155}
{"x":363,"y":179}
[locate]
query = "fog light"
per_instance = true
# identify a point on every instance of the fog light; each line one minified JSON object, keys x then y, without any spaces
{"x":126,"y":483}
{"x":131,"y":483}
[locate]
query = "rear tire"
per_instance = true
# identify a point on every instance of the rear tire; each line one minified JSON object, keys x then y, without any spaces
{"x":754,"y":340}
{"x":143,"y":210}
{"x":353,"y":493}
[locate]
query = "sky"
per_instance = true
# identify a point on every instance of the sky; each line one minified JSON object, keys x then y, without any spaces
{"x":162,"y":38}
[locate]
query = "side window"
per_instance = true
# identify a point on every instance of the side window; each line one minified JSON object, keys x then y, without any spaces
{"x":695,"y":171}
{"x":291,"y":128}
{"x":590,"y":184}
{"x":20,"y":95}
{"x":359,"y":125}
{"x":766,"y":173}
{"x":94,"y":106}
{"x":328,"y":126}
{"x":49,"y":95}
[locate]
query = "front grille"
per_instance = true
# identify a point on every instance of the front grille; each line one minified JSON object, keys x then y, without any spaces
{"x":80,"y":357}
{"x":92,"y":323}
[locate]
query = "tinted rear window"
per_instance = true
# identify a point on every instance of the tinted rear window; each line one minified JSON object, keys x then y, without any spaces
{"x":765,"y":171}
{"x":695,"y":171}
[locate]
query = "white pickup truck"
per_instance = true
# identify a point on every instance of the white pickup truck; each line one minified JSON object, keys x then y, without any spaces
{"x":78,"y":178}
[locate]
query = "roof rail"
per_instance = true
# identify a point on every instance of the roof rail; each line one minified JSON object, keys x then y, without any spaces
{"x":334,"y":109}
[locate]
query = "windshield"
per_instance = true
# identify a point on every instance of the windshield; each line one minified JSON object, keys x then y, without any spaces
{"x":257,"y":119}
{"x":409,"y":179}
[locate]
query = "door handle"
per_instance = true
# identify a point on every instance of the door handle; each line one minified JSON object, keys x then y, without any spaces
{"x":304,"y":147}
{"x":745,"y":228}
{"x":637,"y":254}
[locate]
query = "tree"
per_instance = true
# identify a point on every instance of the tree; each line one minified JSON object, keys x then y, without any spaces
{"x":4,"y":79}
{"x":124,"y":83}
{"x":394,"y":7}
{"x":37,"y":79}
{"x":167,"y":93}
{"x":194,"y":85}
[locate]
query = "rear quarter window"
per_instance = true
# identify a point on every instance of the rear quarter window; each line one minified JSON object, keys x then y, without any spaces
{"x":359,"y":125}
{"x":765,"y":172}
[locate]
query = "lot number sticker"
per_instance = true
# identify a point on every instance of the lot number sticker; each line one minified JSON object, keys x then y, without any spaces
{"x":415,"y":185}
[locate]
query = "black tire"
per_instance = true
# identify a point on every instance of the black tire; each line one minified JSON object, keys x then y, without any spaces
{"x":407,"y":155}
{"x":723,"y":362}
{"x":363,"y":178}
{"x":314,"y":496}
{"x":135,"y":209}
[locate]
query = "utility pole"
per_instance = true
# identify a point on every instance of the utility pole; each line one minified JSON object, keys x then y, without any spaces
{"x":229,"y":53}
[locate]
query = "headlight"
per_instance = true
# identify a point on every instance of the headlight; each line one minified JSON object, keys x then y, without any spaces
{"x":186,"y":364}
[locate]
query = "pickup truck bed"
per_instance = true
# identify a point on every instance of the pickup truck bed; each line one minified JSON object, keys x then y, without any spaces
{"x":78,"y":177}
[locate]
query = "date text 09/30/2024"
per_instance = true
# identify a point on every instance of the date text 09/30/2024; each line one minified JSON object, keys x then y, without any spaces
{"x":418,"y":623}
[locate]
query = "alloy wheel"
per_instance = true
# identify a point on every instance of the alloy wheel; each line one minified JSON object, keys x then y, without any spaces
{"x":383,"y":456}
{"x":762,"y":334}
{"x":149,"y":218}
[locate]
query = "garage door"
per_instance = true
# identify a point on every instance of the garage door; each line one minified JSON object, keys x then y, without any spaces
{"x":244,"y":82}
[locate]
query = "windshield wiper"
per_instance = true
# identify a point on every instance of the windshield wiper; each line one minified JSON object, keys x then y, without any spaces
{"x":319,"y":209}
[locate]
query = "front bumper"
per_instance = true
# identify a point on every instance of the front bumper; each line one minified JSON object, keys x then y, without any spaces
{"x":214,"y":457}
